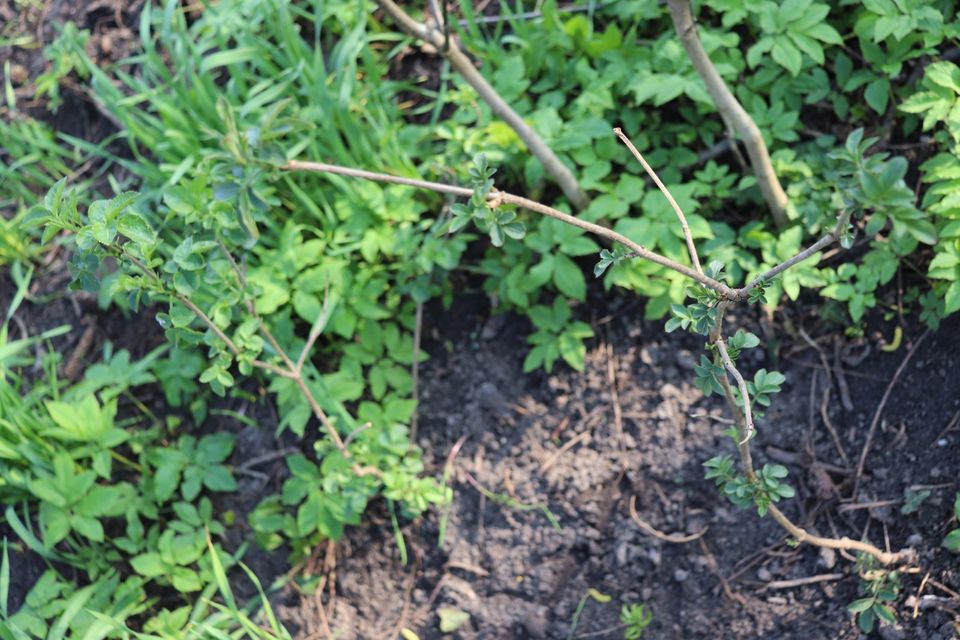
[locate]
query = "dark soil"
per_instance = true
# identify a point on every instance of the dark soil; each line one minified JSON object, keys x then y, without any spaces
{"x":518,"y":577}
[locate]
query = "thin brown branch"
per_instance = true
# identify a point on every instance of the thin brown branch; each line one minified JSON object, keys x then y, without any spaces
{"x":766,"y":276}
{"x":876,"y":416}
{"x":691,"y":247}
{"x":353,"y":434}
{"x":321,"y":416}
{"x":800,"y":582}
{"x":844,"y":543}
{"x":743,"y":446}
{"x":502,"y":197}
{"x":570,"y":444}
{"x":732,"y":112}
{"x":640,"y":250}
{"x":251,"y":307}
{"x":744,"y":425}
{"x":741,"y":411}
{"x":198,"y":312}
{"x":674,"y":538}
{"x":748,"y":428}
{"x":323,"y":167}
{"x":449,"y":49}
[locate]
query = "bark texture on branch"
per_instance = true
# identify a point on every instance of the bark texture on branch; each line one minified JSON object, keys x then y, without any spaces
{"x":732,"y":112}
{"x":447,"y":47}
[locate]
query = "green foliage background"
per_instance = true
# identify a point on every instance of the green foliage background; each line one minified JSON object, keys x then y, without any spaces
{"x":211,"y":109}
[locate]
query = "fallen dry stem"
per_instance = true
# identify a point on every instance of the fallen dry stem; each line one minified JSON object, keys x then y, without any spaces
{"x":570,"y":444}
{"x":675,"y":538}
{"x":799,"y":582}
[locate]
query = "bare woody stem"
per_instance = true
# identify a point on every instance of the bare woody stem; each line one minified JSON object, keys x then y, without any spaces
{"x":691,"y":246}
{"x":502,"y":197}
{"x":725,"y":291}
{"x":731,"y":110}
{"x":449,"y":49}
{"x":842,"y":221}
{"x":741,"y":411}
{"x":845,"y":543}
{"x":748,"y":428}
{"x":744,"y":421}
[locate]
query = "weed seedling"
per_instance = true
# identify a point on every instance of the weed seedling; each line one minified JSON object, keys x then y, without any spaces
{"x":879,"y":587}
{"x":636,"y":618}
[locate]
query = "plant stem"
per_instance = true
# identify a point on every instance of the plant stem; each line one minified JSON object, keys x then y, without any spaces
{"x":844,"y":543}
{"x":825,"y":241}
{"x":745,"y":426}
{"x":728,"y":296}
{"x":501,"y":197}
{"x":731,"y":110}
{"x":292,"y":371}
{"x":691,"y":246}
{"x":748,"y":428}
{"x":448,"y":48}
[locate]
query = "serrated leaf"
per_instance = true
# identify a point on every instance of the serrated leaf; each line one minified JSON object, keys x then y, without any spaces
{"x":54,"y":197}
{"x":825,"y":33}
{"x":219,"y":478}
{"x":944,"y":74}
{"x":136,"y":228}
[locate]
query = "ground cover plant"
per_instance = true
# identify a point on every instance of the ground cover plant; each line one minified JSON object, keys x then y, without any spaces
{"x":232,"y":214}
